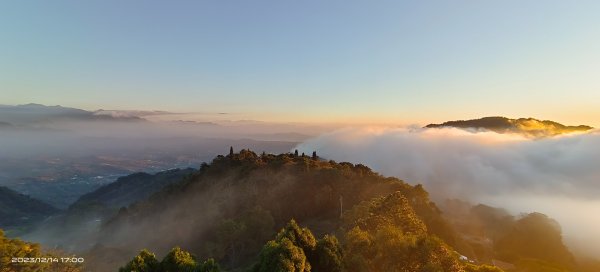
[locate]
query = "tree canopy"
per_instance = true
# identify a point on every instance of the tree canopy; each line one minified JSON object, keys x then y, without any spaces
{"x":177,"y":260}
{"x":16,"y":248}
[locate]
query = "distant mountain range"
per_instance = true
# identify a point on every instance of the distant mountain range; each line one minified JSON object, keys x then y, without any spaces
{"x":526,"y":126}
{"x":22,"y":115}
{"x":20,"y":210}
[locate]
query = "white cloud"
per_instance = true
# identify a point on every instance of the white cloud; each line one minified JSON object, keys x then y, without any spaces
{"x":505,"y":170}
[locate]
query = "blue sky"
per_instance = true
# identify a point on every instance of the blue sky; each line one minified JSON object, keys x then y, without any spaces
{"x":312,"y":61}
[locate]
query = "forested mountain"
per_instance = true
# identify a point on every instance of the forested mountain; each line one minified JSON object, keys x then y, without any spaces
{"x":526,"y":126}
{"x":528,"y":242}
{"x":18,"y":210}
{"x":81,"y":221}
{"x":354,"y":218}
{"x":330,"y":216}
{"x":231,"y":207}
{"x":128,"y":189}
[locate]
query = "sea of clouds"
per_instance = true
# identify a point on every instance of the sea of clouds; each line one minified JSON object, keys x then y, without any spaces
{"x":558,"y":176}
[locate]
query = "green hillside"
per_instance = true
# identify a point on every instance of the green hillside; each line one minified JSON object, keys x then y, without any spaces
{"x":231,"y":207}
{"x":292,"y":212}
{"x":128,"y":189}
{"x":20,"y":211}
{"x":76,"y":227}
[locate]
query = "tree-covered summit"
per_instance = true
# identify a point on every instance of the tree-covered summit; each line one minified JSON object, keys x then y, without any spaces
{"x":331,"y":216}
{"x":529,"y":127}
{"x":232,"y":206}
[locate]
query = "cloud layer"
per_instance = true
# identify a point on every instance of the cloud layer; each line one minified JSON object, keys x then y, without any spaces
{"x":559,"y":176}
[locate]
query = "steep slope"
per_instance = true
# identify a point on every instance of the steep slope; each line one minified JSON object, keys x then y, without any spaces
{"x":526,"y":126}
{"x":18,"y":210}
{"x":129,"y":189}
{"x":73,"y":229}
{"x":528,"y":242}
{"x":230,"y":210}
{"x":231,"y":207}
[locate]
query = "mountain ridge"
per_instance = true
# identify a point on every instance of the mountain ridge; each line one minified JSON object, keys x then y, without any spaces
{"x":90,"y":210}
{"x":530,"y":127}
{"x":229,"y":209}
{"x":19,"y":210}
{"x":253,"y":194}
{"x":128,"y":189}
{"x":32,"y":114}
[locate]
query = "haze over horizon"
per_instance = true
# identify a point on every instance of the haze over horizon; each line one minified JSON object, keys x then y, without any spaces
{"x":344,"y":95}
{"x":338,"y":62}
{"x":238,"y":117}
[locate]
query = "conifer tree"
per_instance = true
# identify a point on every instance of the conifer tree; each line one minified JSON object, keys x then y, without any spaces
{"x":144,"y":262}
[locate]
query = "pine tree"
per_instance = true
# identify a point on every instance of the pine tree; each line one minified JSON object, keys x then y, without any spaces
{"x":144,"y":262}
{"x":178,"y":260}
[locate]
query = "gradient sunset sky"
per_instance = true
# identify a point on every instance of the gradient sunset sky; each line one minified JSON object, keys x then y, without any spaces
{"x":309,"y":61}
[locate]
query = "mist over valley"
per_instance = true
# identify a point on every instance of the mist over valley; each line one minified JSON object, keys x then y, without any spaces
{"x":92,"y":198}
{"x":299,"y":136}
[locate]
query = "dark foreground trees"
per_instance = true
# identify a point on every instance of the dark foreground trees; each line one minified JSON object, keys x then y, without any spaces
{"x":177,"y":260}
{"x":383,"y":234}
{"x":296,"y":249}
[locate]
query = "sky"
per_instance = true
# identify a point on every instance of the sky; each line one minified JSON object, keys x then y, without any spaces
{"x":393,"y":62}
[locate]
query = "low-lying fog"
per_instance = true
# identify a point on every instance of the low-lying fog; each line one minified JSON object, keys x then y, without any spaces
{"x":56,"y":153}
{"x":558,"y":176}
{"x":89,"y":137}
